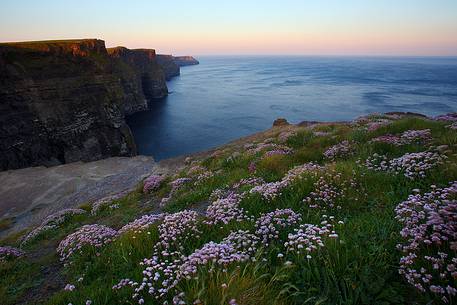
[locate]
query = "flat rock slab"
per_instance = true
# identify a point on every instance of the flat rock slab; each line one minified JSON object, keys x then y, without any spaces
{"x":28,"y":195}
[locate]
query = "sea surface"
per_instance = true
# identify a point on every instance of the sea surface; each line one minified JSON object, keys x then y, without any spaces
{"x":225,"y":98}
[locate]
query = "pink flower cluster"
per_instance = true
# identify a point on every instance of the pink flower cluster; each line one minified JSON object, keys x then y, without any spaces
{"x":373,"y":122}
{"x":69,"y":287}
{"x":308,"y":238}
{"x":339,"y":150}
{"x":142,"y":223}
{"x":164,"y":272}
{"x":99,"y":204}
{"x":195,"y":169}
{"x":175,"y":186}
{"x":277,"y":152}
{"x":372,"y":126}
{"x":239,"y":188}
{"x":220,"y":254}
{"x":271,"y":190}
{"x":88,"y":235}
{"x":225,"y":210}
{"x":51,"y":222}
{"x":430,"y":241}
{"x":412,"y":165}
{"x":8,"y":253}
{"x":285,"y":135}
{"x":269,"y":225}
{"x":179,"y":182}
{"x":251,"y":181}
{"x":152,"y":183}
{"x":160,"y":276}
{"x":325,"y":195}
{"x":407,"y":137}
{"x":204,"y":176}
{"x":450,"y":117}
{"x":177,"y":228}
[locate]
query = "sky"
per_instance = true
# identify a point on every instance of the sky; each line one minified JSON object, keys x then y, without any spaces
{"x":237,"y":27}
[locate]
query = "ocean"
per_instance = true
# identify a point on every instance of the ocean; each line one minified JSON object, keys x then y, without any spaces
{"x":225,"y":98}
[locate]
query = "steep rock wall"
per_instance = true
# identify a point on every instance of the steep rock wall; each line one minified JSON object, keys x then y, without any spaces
{"x":169,"y":66}
{"x":65,"y":101}
{"x":141,"y":76}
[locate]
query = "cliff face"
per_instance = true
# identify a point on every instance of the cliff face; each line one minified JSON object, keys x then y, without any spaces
{"x":141,"y":76}
{"x":65,"y":101}
{"x":185,"y":61}
{"x":169,"y":66}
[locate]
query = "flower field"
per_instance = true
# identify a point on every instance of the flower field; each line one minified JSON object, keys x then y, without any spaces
{"x":363,"y":212}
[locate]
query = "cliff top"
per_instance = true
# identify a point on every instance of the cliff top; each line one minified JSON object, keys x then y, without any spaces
{"x":61,"y":41}
{"x":76,"y":46}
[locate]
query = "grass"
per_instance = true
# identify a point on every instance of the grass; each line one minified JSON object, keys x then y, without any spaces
{"x":359,"y":267}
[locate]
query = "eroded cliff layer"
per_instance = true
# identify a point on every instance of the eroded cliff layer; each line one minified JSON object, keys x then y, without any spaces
{"x":169,"y":66}
{"x":142,"y":77}
{"x":65,"y":101}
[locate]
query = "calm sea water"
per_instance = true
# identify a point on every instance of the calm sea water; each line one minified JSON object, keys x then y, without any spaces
{"x":225,"y":98}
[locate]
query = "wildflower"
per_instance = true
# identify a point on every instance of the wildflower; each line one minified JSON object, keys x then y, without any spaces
{"x":342,"y":149}
{"x":225,"y":210}
{"x":152,"y":183}
{"x":268,"y":225}
{"x":69,"y":287}
{"x":277,"y":152}
{"x":285,"y":135}
{"x":233,"y":302}
{"x":178,"y":227}
{"x":430,"y":239}
{"x":94,"y":235}
{"x":99,"y":204}
{"x":271,"y":190}
{"x":324,"y":195}
{"x":7,"y":253}
{"x":142,"y":223}
{"x":412,"y":165}
{"x":51,"y":222}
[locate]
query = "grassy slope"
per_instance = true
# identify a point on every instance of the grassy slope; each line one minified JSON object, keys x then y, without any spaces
{"x":360,"y":267}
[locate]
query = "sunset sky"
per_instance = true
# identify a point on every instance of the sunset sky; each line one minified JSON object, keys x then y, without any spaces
{"x":198,"y":27}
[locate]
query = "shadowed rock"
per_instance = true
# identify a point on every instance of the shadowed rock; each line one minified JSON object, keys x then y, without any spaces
{"x":65,"y":101}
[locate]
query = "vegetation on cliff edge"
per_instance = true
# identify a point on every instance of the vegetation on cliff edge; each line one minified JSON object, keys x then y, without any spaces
{"x":349,"y":213}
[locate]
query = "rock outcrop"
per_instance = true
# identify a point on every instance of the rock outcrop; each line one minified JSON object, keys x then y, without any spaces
{"x":280,"y":122}
{"x":185,"y":61}
{"x":65,"y":101}
{"x":169,"y":66}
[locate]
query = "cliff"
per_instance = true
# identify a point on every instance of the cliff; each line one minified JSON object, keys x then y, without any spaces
{"x":141,"y":76}
{"x":185,"y":61}
{"x":169,"y":66}
{"x":65,"y":101}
